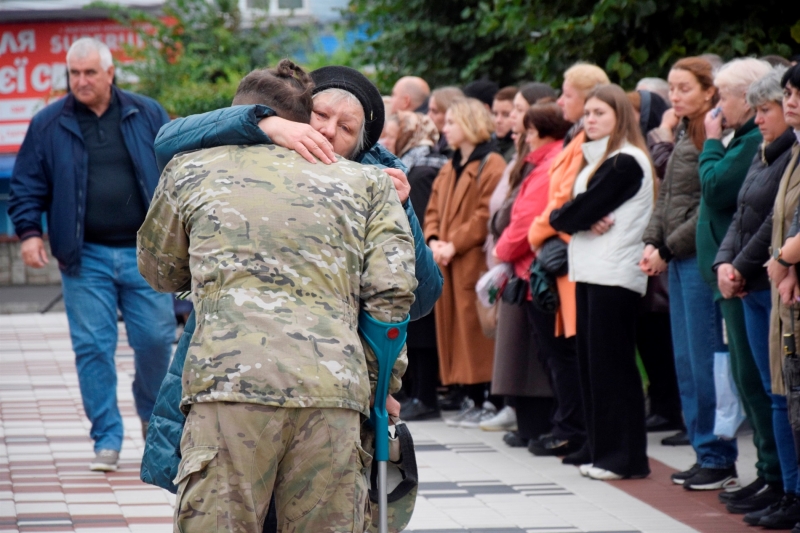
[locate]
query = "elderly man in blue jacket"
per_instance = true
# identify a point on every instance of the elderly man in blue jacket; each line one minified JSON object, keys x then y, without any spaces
{"x":87,"y":161}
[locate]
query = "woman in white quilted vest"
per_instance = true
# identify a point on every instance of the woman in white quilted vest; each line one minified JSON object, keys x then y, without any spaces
{"x":611,"y":205}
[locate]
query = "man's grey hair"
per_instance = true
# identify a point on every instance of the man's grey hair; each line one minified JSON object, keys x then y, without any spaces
{"x":655,"y":85}
{"x":340,"y":95}
{"x":767,"y":89}
{"x":85,"y":46}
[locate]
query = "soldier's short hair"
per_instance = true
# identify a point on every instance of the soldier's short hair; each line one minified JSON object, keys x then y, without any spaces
{"x":286,"y":89}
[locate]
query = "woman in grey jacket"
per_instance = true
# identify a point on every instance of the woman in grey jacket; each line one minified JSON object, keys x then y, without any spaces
{"x":670,"y":238}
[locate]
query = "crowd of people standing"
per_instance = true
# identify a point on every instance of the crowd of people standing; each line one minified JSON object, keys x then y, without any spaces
{"x":657,"y":224}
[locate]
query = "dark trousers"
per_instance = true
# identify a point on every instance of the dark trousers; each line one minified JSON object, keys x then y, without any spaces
{"x":534,"y":416}
{"x":423,"y":366}
{"x":654,"y":340}
{"x":757,"y":404}
{"x":558,"y":354}
{"x":610,"y":382}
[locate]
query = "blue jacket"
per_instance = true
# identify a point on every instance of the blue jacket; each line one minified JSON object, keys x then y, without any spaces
{"x":239,"y":125}
{"x":51,"y":171}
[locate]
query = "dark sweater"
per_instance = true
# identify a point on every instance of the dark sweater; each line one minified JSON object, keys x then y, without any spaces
{"x":615,"y":181}
{"x":115,"y":208}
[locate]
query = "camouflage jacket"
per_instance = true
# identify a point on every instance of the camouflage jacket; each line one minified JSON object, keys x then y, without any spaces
{"x":277,"y":297}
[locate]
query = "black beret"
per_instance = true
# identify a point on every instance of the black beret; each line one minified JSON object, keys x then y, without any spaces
{"x":352,"y":81}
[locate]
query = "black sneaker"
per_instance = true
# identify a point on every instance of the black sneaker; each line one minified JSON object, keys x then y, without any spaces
{"x":796,"y":528}
{"x":745,"y":492}
{"x":680,"y":438}
{"x":679,"y":477}
{"x":755,"y":517}
{"x":515,"y":440}
{"x":712,"y":479}
{"x":765,"y":497}
{"x":581,"y":457}
{"x":415,"y":410}
{"x":553,"y":446}
{"x":785,"y":517}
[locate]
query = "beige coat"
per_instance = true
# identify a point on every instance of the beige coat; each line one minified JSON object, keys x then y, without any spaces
{"x":785,"y":204}
{"x":457,"y":212}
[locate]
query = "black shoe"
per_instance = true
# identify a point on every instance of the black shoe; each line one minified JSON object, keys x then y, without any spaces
{"x":553,"y":446}
{"x":513,"y":439}
{"x":785,"y":517}
{"x":679,"y":477}
{"x":415,"y":410}
{"x":765,"y":497}
{"x":796,"y":528}
{"x":678,"y":439}
{"x":712,"y":479}
{"x":452,"y":401}
{"x":755,"y":517}
{"x":581,"y":457}
{"x":656,"y":422}
{"x":729,"y":496}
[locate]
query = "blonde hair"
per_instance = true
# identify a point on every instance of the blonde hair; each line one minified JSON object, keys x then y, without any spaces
{"x":473,"y":118}
{"x":737,"y":75}
{"x":445,"y":96}
{"x":585,"y":77}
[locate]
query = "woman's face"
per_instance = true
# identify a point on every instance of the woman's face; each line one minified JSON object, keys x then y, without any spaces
{"x":501,"y":115}
{"x":735,"y":108}
{"x":791,"y":106}
{"x":339,"y":122}
{"x":453,"y":132}
{"x":571,"y":102}
{"x":686,"y":94}
{"x":599,"y":119}
{"x":770,"y":122}
{"x":389,"y":136}
{"x":521,"y":107}
{"x":532,"y":138}
{"x":436,"y":114}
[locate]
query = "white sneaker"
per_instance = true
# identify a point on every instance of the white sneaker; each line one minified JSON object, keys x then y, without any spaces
{"x":504,"y":420}
{"x":487,"y":411}
{"x":601,"y":474}
{"x":467,"y":407}
{"x":105,"y":461}
{"x":584,"y":469}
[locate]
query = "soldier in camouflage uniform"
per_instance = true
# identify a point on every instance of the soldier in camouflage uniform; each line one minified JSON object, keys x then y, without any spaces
{"x":277,"y":380}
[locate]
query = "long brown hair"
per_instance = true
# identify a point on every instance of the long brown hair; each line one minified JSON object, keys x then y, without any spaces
{"x":703,"y":72}
{"x":626,"y":127}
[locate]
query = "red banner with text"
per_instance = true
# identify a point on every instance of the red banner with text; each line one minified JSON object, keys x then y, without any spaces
{"x":33,"y":69}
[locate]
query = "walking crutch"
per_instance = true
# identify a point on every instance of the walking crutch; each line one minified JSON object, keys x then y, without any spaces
{"x":386,"y":341}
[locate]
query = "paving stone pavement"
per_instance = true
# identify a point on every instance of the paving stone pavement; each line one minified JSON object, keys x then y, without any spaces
{"x":469,"y":480}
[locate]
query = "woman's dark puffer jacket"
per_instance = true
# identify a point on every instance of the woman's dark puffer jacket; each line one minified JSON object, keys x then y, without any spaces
{"x":674,"y":220}
{"x":746,"y":244}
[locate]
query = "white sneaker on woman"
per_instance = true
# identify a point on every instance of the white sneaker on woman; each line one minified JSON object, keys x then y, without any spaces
{"x":601,"y":474}
{"x":584,"y":469}
{"x":467,"y":409}
{"x":473,"y":420}
{"x":504,"y":420}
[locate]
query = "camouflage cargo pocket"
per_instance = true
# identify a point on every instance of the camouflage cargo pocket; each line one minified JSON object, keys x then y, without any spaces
{"x":196,"y":500}
{"x":363,"y":511}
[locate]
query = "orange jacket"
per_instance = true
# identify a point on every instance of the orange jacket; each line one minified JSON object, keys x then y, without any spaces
{"x":565,"y":169}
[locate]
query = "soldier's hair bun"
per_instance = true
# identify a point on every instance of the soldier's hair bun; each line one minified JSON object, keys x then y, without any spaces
{"x":289,"y":69}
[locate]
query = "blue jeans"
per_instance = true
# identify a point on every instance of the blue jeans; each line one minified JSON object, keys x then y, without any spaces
{"x":696,"y":335}
{"x":757,"y":306}
{"x":109,"y":278}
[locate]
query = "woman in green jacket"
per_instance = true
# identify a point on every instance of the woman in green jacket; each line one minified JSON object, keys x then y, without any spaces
{"x":723,"y":167}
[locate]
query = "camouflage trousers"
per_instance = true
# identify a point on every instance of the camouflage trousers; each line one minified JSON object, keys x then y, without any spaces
{"x":234,"y":455}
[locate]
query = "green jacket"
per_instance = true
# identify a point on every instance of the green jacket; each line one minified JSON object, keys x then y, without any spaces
{"x":278,"y":296}
{"x":722,"y":172}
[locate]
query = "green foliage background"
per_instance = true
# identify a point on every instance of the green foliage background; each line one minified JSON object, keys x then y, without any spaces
{"x":456,"y":41}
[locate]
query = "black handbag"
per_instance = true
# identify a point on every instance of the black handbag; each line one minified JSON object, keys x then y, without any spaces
{"x":552,"y":257}
{"x":544,"y":293}
{"x":515,"y":291}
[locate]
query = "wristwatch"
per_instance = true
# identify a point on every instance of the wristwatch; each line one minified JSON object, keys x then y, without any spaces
{"x":777,"y":255}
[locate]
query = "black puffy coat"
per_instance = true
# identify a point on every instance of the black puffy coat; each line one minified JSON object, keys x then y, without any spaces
{"x":746,"y":244}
